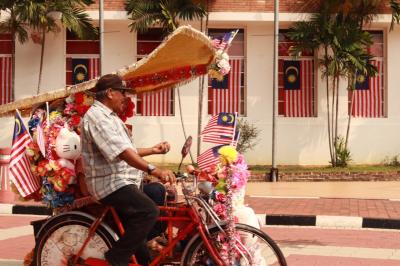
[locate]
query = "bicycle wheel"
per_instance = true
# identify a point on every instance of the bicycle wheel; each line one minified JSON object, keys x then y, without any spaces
{"x":63,"y":236}
{"x":253,"y":247}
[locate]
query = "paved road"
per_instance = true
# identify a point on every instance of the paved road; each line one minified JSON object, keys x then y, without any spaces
{"x":307,"y":246}
{"x":301,"y":245}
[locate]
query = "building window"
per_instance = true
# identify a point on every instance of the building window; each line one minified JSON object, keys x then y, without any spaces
{"x":6,"y":89}
{"x":229,"y":95}
{"x":82,"y":60}
{"x":154,"y":103}
{"x":296,"y":83}
{"x":369,"y":94}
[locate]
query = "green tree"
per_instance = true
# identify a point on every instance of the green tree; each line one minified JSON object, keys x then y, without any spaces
{"x":16,"y":27}
{"x":166,"y":14}
{"x":44,"y":15}
{"x":336,"y":29}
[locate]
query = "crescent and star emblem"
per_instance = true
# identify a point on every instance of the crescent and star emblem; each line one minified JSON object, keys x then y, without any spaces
{"x":80,"y":76}
{"x":292,"y":77}
{"x":232,"y":119}
{"x":361,"y":79}
{"x":17,"y":126}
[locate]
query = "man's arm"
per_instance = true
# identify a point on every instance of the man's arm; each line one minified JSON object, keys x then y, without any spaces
{"x":160,"y":148}
{"x":135,"y":160}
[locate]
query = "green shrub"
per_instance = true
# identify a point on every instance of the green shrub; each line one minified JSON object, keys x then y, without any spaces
{"x":248,"y":135}
{"x":343,"y":156}
{"x":392,"y":161}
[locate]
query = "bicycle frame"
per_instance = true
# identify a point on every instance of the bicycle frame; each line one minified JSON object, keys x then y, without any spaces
{"x":187,"y":214}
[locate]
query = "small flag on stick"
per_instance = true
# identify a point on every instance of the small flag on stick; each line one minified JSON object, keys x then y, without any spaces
{"x":20,"y":169}
{"x":209,"y":158}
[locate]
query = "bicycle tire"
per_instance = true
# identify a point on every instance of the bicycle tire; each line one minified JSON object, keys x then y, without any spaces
{"x":197,"y":255}
{"x":63,"y":235}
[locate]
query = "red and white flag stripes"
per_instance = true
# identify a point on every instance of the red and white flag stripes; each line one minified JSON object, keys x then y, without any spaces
{"x":370,"y":103}
{"x":229,"y":99}
{"x":94,"y":67}
{"x":6,"y":79}
{"x":20,"y":170}
{"x":156,"y":103}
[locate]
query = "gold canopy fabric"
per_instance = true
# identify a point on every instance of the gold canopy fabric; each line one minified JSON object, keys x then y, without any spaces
{"x":184,"y":48}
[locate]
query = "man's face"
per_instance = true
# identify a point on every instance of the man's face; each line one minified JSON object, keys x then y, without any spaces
{"x":119,"y":100}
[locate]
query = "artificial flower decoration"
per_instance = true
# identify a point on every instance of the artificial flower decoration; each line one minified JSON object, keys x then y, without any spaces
{"x":129,"y":110}
{"x":228,"y":155}
{"x":220,"y":67}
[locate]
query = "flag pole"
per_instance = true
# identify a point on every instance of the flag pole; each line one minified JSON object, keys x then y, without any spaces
{"x":47,"y":114}
{"x":234,"y":129}
{"x":274,"y":170}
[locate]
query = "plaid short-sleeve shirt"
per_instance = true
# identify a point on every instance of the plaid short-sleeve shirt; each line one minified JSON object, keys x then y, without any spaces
{"x":104,"y":136}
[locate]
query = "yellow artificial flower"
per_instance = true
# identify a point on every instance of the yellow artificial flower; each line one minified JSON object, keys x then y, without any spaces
{"x":53,"y":115}
{"x":228,"y":155}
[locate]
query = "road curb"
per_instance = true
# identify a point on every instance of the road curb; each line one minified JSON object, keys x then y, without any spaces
{"x":267,"y":219}
{"x":332,"y":221}
{"x":24,"y":209}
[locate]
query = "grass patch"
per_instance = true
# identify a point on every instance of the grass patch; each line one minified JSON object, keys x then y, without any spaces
{"x":262,"y":169}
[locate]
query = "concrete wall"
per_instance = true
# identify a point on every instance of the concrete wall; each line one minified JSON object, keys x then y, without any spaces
{"x":299,"y":140}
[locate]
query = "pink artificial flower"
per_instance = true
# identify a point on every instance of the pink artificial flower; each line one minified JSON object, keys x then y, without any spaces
{"x":69,"y":107}
{"x":220,"y":197}
{"x":220,"y":209}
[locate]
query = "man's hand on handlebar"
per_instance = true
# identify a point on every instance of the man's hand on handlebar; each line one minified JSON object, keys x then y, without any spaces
{"x":165,"y":176}
{"x":161,"y":148}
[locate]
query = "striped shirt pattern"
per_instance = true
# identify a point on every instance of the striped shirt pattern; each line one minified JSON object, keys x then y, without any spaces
{"x":104,"y":136}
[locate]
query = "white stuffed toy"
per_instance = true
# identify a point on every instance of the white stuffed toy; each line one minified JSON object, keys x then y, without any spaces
{"x":68,"y":147}
{"x":68,"y":144}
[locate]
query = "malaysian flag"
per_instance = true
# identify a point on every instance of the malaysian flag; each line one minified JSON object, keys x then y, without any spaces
{"x":226,"y":40}
{"x":5,"y":79}
{"x":226,"y":96}
{"x":156,"y":103}
{"x":368,"y":97}
{"x":20,"y":169}
{"x":221,"y":124}
{"x":209,"y":158}
{"x":296,"y":87}
{"x":78,"y":68}
{"x":40,"y":139}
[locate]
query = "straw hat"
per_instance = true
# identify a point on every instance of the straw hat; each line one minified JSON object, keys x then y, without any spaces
{"x":181,"y":57}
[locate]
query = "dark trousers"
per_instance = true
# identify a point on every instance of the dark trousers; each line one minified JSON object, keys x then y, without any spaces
{"x":138,"y":214}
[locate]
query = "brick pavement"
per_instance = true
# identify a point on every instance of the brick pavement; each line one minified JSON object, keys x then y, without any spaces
{"x":371,"y":208}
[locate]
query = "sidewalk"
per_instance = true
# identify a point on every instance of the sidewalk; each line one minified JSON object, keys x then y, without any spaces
{"x":323,"y":204}
{"x":327,"y":204}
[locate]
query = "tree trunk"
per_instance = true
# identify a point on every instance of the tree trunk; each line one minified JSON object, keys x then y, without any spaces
{"x":328,"y":107}
{"x":337,"y":112}
{"x":41,"y":60}
{"x":333,"y":121}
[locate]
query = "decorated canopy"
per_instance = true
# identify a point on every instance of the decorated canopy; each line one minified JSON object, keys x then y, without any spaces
{"x":181,"y":57}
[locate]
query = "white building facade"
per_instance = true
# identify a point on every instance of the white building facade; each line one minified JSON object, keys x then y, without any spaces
{"x":302,"y":136}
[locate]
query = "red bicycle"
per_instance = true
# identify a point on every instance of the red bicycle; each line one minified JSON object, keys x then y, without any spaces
{"x":80,"y":237}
